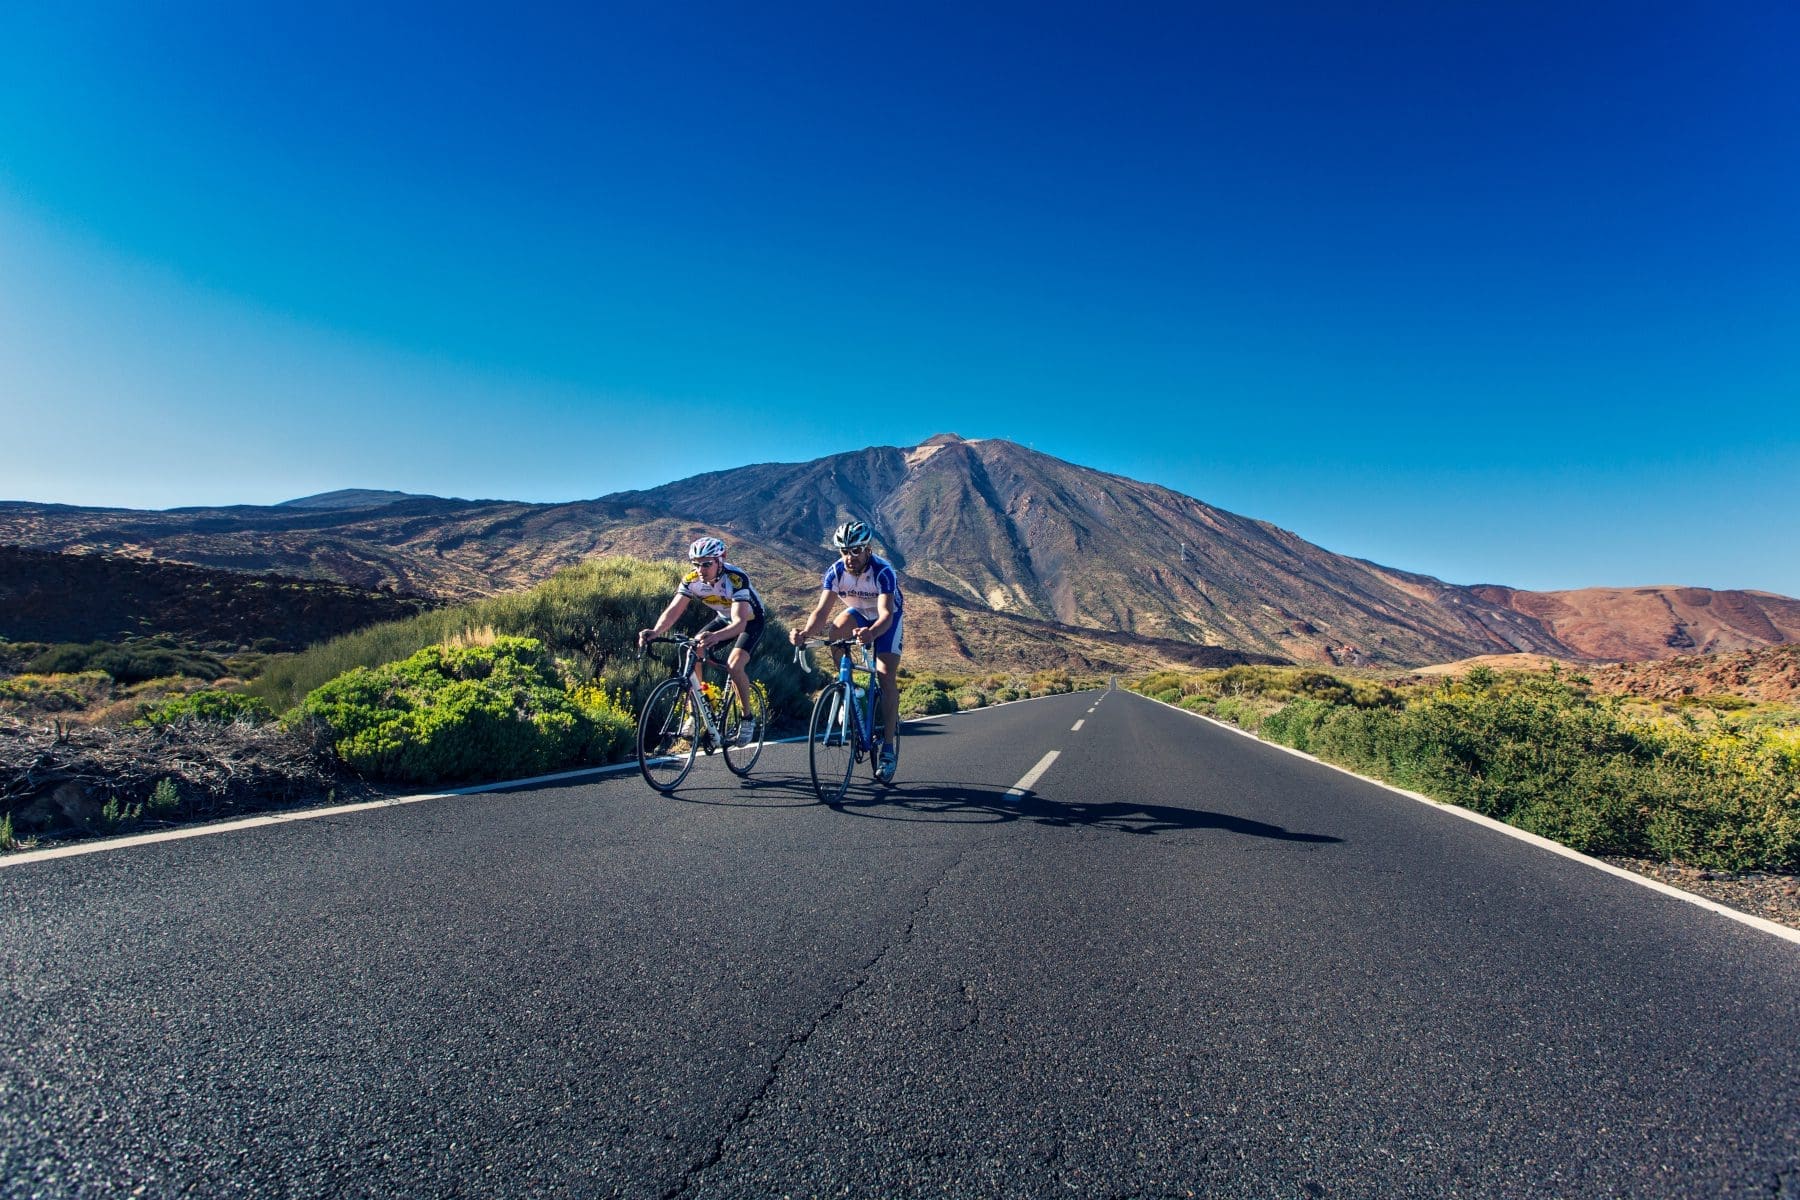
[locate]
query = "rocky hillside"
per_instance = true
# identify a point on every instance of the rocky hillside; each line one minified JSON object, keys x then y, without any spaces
{"x":1633,"y":624}
{"x":49,"y":597}
{"x":1768,"y":673}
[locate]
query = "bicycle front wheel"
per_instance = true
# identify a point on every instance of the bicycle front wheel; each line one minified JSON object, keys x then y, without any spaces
{"x":830,"y":749}
{"x":665,"y":736}
{"x":745,"y":732}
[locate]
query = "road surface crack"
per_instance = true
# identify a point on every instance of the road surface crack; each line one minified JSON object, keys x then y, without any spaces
{"x":795,"y":1041}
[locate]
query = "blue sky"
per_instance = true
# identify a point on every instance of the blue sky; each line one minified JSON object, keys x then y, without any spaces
{"x":1501,"y":293}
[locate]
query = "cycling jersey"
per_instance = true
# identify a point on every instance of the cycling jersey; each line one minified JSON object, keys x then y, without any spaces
{"x":732,"y":585}
{"x":860,"y":590}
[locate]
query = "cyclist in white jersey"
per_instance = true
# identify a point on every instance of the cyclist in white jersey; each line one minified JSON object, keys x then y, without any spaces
{"x":738,"y":614}
{"x":873,"y":614}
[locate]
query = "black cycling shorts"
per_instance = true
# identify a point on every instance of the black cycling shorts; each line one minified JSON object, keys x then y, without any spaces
{"x":746,"y":641}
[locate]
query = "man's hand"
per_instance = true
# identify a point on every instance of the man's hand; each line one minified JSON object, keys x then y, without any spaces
{"x":644,"y":636}
{"x":866,"y":635}
{"x":796,"y":636}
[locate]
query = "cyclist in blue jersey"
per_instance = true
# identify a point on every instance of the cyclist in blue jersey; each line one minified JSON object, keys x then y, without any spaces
{"x":873,"y":614}
{"x":738,"y":615}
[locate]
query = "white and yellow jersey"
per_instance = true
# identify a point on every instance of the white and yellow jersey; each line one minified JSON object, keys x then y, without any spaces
{"x":731,"y":586}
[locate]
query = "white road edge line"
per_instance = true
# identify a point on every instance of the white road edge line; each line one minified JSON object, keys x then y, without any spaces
{"x":1076,"y":727}
{"x":1033,"y":775}
{"x":1655,"y":885}
{"x":308,"y":814}
{"x":333,"y":810}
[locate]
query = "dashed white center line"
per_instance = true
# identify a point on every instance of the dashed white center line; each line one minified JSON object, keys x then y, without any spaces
{"x":1077,"y":725}
{"x":1033,"y":775}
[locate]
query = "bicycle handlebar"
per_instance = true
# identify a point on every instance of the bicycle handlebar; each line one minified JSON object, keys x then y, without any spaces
{"x":800,"y":649}
{"x":679,"y":640}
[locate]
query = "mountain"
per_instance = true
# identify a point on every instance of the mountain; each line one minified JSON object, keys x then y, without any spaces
{"x":352,"y":498}
{"x":1010,"y":557}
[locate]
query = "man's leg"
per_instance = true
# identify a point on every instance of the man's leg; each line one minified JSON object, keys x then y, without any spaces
{"x":842,"y":626}
{"x":738,"y":662}
{"x":887,"y":669}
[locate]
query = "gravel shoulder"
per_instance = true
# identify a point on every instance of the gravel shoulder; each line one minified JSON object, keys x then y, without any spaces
{"x":1772,"y":897}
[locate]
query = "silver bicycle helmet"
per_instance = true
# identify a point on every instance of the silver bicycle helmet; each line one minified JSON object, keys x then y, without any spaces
{"x":706,"y":547}
{"x":852,"y":534}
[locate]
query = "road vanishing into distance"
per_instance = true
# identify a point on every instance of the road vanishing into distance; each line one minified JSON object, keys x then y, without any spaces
{"x":1181,"y":963}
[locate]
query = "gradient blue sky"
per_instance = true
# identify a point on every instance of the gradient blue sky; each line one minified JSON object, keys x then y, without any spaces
{"x":1500,"y":292}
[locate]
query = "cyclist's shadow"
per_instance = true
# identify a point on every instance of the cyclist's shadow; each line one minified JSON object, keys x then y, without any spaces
{"x":944,"y":801}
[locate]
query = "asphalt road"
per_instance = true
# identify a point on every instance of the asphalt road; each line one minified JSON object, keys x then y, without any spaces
{"x":1182,"y":964}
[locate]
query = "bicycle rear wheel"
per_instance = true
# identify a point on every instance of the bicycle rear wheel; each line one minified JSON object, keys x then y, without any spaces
{"x":665,"y":736}
{"x":830,"y":750}
{"x":739,"y":759}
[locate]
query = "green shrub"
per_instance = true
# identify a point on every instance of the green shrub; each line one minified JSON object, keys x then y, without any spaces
{"x":970,"y":698}
{"x":470,"y":712}
{"x":586,"y":616}
{"x":54,"y":693}
{"x":7,"y":840}
{"x":1245,"y":711}
{"x":222,"y":707}
{"x":1538,"y":754}
{"x":164,"y":797}
{"x":1296,"y":723}
{"x":134,"y":661}
{"x":925,"y":700}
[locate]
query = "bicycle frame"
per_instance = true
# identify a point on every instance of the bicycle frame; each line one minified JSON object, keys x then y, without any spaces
{"x":860,"y":731}
{"x":683,"y":669}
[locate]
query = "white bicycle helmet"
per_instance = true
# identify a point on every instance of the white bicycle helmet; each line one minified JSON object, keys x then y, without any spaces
{"x":706,"y":547}
{"x":851,"y":534}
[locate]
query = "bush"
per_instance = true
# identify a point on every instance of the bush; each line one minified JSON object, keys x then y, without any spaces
{"x":586,"y":616}
{"x":925,"y":700}
{"x":133,"y":661}
{"x":454,"y":713}
{"x":208,"y":706}
{"x":39,"y":694}
{"x":1538,"y":755}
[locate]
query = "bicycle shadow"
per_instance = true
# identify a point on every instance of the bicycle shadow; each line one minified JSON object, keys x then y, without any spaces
{"x":958,"y":803}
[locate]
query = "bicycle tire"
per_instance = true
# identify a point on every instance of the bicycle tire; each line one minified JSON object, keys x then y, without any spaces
{"x":665,"y":749}
{"x":830,"y":746}
{"x":739,"y":759}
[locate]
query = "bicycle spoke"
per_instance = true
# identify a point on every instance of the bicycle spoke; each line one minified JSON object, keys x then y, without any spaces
{"x":740,"y":758}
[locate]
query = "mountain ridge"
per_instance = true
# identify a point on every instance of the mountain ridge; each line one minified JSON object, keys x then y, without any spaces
{"x":984,"y":531}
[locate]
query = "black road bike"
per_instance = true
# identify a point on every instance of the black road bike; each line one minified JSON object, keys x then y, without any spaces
{"x":680,"y":721}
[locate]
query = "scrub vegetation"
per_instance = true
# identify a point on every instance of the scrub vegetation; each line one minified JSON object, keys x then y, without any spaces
{"x":532,"y":682}
{"x":925,"y":695}
{"x":1709,"y":783}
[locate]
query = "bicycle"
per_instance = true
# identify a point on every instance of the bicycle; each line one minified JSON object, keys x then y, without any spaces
{"x":844,"y":718}
{"x":678,"y":722}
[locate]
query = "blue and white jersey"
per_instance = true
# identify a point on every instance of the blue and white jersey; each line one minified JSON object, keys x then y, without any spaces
{"x":859,"y":591}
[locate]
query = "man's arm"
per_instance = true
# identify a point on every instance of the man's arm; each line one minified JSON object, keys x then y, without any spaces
{"x":666,"y":622}
{"x":741,"y":613}
{"x":806,"y":630}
